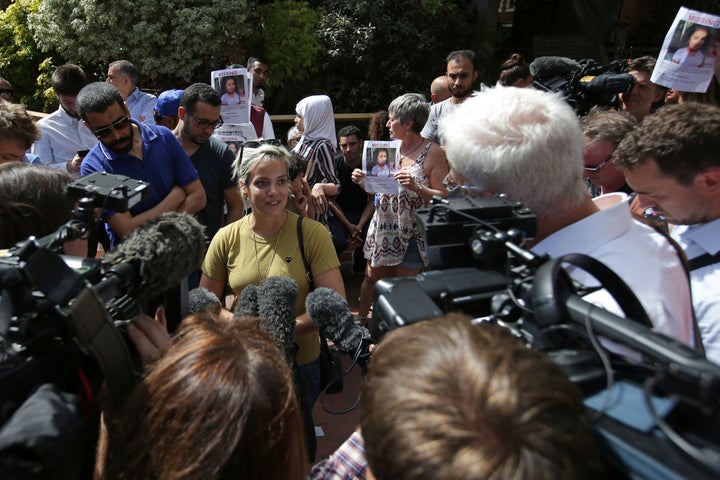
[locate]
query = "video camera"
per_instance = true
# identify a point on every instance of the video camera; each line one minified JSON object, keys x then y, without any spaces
{"x":583,"y":83}
{"x":537,"y":301}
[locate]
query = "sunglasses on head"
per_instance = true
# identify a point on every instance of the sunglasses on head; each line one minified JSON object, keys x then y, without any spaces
{"x":275,"y":142}
{"x":121,"y":124}
{"x":6,"y":91}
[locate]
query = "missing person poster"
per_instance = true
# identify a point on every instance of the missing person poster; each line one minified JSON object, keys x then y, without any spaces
{"x":235,"y":89}
{"x":380,"y":162}
{"x":689,"y":54}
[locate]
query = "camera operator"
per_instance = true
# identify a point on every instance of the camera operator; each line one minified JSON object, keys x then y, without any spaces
{"x":671,"y":161}
{"x":645,"y":94}
{"x":34,"y":201}
{"x":528,"y":145}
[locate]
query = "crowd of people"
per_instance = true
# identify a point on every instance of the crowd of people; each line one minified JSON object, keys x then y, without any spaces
{"x":443,"y":398}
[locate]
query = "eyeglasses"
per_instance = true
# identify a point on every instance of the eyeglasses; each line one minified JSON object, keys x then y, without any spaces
{"x":121,"y":124}
{"x":207,"y":123}
{"x":6,"y":92}
{"x":600,"y":165}
{"x":275,"y":142}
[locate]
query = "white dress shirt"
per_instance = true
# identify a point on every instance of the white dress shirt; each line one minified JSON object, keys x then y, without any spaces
{"x":62,"y":136}
{"x":698,"y":240}
{"x":640,"y":256}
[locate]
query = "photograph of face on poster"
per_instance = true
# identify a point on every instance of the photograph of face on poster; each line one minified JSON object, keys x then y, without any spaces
{"x":380,"y":160}
{"x":234,"y":87}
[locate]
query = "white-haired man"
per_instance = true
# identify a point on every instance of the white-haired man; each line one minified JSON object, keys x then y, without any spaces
{"x":528,"y":145}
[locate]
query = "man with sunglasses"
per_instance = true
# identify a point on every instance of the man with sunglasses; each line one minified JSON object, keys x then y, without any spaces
{"x":198,"y":117}
{"x":603,"y":129}
{"x":136,"y":150}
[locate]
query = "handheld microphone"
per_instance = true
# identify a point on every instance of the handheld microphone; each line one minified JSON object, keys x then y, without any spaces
{"x":331,"y":314}
{"x":276,"y":299}
{"x":247,"y":303}
{"x":201,"y":299}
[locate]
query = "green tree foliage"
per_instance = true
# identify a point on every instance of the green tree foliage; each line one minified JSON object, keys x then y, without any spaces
{"x":286,"y":38}
{"x":172,"y":42}
{"x":20,"y":61}
{"x":379,"y":49}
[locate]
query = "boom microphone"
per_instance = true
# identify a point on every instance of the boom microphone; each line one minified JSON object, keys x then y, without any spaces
{"x":331,"y":314}
{"x":164,"y":251}
{"x":547,"y":68}
{"x":201,"y":299}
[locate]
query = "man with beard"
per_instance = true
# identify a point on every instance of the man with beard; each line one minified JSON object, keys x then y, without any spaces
{"x":260,"y":70}
{"x":461,"y":76}
{"x":671,"y":161}
{"x":137,"y":150}
{"x":198,"y":117}
{"x":64,"y":139}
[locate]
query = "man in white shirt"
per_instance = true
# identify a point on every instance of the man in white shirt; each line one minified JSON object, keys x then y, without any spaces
{"x":64,"y":138}
{"x":124,"y":76}
{"x":528,"y":145}
{"x":671,"y":161}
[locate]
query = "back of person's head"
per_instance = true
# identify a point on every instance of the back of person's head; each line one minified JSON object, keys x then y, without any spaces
{"x":411,"y":106}
{"x":319,"y":118}
{"x":445,"y":399}
{"x":683,"y":139}
{"x":519,"y":141}
{"x":514,"y":69}
{"x":349,"y":130}
{"x":607,"y":124}
{"x":462,"y":54}
{"x":68,"y":79}
{"x":199,"y":92}
{"x":127,"y":69}
{"x":33,"y":201}
{"x":219,"y":404}
{"x":17,"y":125}
{"x":245,"y":164}
{"x":96,"y":97}
{"x":645,"y":64}
{"x":298,"y":165}
{"x":377,"y":129}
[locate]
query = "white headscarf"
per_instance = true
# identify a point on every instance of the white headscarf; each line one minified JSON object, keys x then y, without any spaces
{"x":317,"y":113}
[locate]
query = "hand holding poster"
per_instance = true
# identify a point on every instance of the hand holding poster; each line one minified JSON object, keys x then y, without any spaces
{"x":380,"y":162}
{"x":689,"y":55}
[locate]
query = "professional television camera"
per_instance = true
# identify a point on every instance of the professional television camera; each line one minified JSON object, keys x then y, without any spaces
{"x":584,"y":84}
{"x":654,"y":384}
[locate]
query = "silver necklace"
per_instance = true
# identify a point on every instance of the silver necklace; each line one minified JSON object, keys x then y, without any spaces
{"x":272,"y":258}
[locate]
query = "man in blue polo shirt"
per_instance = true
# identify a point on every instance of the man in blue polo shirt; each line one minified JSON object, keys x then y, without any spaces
{"x":140,"y":151}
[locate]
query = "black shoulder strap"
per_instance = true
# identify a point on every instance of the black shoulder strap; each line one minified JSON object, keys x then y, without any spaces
{"x":703,"y":261}
{"x":311,"y":279}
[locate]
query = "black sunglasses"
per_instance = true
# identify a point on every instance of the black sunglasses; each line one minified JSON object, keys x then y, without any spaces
{"x":6,"y":91}
{"x":119,"y":125}
{"x":275,"y":142}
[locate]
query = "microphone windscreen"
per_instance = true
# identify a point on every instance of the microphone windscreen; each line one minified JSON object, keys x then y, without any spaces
{"x":546,"y":68}
{"x":168,"y":248}
{"x":247,"y":303}
{"x":201,"y":299}
{"x":276,"y":299}
{"x":331,"y":314}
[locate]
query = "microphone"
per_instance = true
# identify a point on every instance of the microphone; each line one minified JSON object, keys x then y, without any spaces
{"x":333,"y":318}
{"x":201,"y":299}
{"x":247,"y":304}
{"x":547,"y":68}
{"x":163,"y":252}
{"x":276,"y":299}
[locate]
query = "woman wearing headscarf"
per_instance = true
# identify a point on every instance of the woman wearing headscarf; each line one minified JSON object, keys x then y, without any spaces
{"x":318,"y":145}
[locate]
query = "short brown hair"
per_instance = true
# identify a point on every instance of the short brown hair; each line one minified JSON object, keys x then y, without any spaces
{"x":683,"y":139}
{"x":607,"y":124}
{"x":446,"y":399}
{"x":17,"y":124}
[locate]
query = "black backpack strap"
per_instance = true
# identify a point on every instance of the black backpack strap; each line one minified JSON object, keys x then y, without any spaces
{"x":301,"y":243}
{"x":703,"y":261}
